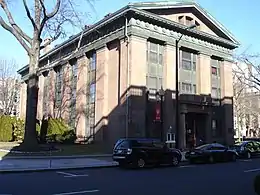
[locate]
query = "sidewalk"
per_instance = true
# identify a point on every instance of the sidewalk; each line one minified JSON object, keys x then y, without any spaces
{"x":45,"y":163}
{"x":23,"y":165}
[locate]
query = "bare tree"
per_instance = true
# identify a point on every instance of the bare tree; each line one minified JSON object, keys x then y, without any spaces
{"x":43,"y":21}
{"x":248,"y":76}
{"x":9,"y":87}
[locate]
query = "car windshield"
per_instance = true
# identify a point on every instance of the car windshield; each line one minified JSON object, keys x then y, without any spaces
{"x":122,"y":144}
{"x":202,"y":147}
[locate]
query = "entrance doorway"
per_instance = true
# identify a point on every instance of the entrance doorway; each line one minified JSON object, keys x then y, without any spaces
{"x":195,"y":125}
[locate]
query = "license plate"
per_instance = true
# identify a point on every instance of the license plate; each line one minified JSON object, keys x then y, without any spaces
{"x":192,"y":153}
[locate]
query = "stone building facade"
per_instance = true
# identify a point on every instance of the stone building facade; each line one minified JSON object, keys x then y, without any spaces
{"x":107,"y":87}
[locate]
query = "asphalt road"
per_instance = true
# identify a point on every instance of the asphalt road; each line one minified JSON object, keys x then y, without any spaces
{"x":216,"y":179}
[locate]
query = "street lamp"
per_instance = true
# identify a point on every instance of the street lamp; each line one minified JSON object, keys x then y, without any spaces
{"x":177,"y":86}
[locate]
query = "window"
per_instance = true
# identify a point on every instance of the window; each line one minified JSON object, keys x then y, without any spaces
{"x":93,"y":61}
{"x":188,"y":61}
{"x":92,"y":92}
{"x":74,"y":79}
{"x":188,"y":88}
{"x":181,"y":19}
{"x":215,"y":92}
{"x":58,"y":86}
{"x":155,"y":61}
{"x":46,"y":94}
{"x":189,"y":21}
{"x":215,"y":65}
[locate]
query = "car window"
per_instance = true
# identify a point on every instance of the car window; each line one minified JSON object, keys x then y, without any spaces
{"x":217,"y":148}
{"x":123,"y":144}
{"x":249,"y":145}
{"x":145,"y":143}
{"x":256,"y":145}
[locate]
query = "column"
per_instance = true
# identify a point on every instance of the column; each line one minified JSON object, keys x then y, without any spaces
{"x":23,"y":98}
{"x":204,"y":74}
{"x":81,"y":96}
{"x":208,"y":129}
{"x":40,"y":97}
{"x":182,"y":130}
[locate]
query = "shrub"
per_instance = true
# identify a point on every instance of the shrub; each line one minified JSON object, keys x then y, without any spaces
{"x":257,"y":184}
{"x":6,"y":128}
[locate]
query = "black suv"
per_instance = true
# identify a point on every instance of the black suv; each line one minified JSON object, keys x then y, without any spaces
{"x":139,"y":152}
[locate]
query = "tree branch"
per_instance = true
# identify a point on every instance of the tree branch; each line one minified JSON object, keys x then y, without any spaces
{"x":29,"y":15}
{"x":15,"y":34}
{"x":47,"y":16}
{"x":13,"y":24}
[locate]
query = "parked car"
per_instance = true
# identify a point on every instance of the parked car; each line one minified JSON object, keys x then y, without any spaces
{"x":211,"y":153}
{"x":139,"y":152}
{"x":247,"y":149}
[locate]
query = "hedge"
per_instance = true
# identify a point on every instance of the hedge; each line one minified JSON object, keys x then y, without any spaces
{"x":12,"y":129}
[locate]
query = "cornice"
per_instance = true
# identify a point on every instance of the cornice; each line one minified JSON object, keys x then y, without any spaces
{"x":181,"y":27}
{"x":145,"y":29}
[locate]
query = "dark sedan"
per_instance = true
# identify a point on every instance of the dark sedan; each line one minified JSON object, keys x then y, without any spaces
{"x":211,"y":153}
{"x":248,"y":149}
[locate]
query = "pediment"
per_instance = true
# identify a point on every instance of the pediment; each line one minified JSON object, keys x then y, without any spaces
{"x":188,"y":13}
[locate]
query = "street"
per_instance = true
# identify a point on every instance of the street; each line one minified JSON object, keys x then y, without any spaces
{"x":204,"y":179}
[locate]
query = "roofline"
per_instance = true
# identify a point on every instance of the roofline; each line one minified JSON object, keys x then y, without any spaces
{"x":168,"y":5}
{"x":118,"y":13}
{"x":75,"y":37}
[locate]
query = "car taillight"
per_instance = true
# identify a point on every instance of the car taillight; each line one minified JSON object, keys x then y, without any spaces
{"x":129,"y":151}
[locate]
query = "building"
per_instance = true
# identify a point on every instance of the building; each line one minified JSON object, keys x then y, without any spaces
{"x":107,"y":88}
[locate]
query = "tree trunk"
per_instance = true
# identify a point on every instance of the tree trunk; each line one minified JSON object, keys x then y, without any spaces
{"x":30,"y":142}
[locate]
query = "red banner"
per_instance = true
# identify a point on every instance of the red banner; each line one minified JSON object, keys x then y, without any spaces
{"x":157,"y":112}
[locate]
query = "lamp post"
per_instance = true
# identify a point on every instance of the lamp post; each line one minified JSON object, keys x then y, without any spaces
{"x":177,"y":87}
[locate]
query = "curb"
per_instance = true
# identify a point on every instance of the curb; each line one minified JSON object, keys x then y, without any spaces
{"x":10,"y":171}
{"x":54,"y":157}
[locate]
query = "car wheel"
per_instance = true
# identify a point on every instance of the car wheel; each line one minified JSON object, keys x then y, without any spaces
{"x":233,"y":157}
{"x":211,"y":159}
{"x":248,"y":155}
{"x":140,"y":163}
{"x":175,"y":161}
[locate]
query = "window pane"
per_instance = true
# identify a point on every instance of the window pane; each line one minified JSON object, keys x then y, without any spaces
{"x":160,"y":71}
{"x":186,"y":65}
{"x":186,"y":55}
{"x":151,"y":82}
{"x":214,"y":71}
{"x":153,"y":57}
{"x":194,"y":90}
{"x":183,"y":87}
{"x":152,"y":69}
{"x":154,"y":47}
{"x":161,"y":59}
{"x":160,"y":83}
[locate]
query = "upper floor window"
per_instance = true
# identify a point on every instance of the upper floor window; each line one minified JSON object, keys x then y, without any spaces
{"x":93,"y":61}
{"x":215,"y":67}
{"x":189,"y":21}
{"x":155,"y":55}
{"x":188,"y":61}
{"x":92,"y":91}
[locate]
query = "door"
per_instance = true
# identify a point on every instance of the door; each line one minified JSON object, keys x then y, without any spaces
{"x":147,"y":149}
{"x":162,"y":152}
{"x":219,"y":152}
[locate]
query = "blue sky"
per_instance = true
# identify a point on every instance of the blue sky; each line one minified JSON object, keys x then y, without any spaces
{"x":239,"y":17}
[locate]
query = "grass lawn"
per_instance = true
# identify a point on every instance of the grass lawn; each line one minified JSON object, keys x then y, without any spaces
{"x":67,"y":150}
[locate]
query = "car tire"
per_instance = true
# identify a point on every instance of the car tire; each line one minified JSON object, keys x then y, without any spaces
{"x":140,"y":163}
{"x":233,"y":157}
{"x":248,"y":155}
{"x":211,"y":159}
{"x":175,"y":161}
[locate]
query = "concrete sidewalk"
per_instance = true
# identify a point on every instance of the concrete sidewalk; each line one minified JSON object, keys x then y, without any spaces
{"x":45,"y":163}
{"x":21,"y":165}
